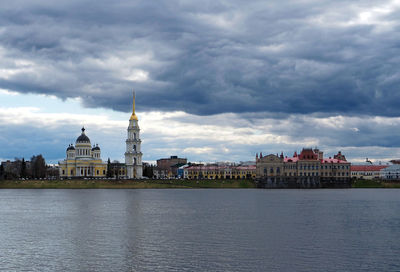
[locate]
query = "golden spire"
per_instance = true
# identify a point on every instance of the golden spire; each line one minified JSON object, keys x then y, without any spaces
{"x":133,"y":116}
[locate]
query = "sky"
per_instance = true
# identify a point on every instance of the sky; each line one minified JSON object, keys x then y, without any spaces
{"x":214,"y":80}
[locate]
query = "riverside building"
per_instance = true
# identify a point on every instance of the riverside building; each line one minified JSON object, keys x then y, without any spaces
{"x":391,"y":172}
{"x":133,"y":154}
{"x":83,"y":160}
{"x":309,"y":169}
{"x":220,"y":172}
{"x":367,"y":171}
{"x":168,"y":167}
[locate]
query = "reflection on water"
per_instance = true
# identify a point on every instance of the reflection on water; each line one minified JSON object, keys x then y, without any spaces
{"x":199,"y":230}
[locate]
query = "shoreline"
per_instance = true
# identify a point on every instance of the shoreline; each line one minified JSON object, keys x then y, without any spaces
{"x":126,"y":184}
{"x":161,"y":184}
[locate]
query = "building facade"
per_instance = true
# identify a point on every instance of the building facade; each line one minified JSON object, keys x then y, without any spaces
{"x":367,"y":171}
{"x":133,"y":154}
{"x":309,"y":169}
{"x":220,"y":172}
{"x":391,"y":172}
{"x":116,"y":170}
{"x":168,"y":167}
{"x":83,"y":160}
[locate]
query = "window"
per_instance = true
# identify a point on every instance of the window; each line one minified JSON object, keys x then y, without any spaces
{"x":104,"y":172}
{"x":63,"y":171}
{"x":98,"y":172}
{"x":72,"y":172}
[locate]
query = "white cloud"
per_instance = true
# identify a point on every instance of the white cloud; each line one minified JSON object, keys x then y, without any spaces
{"x":199,"y":150}
{"x":138,"y":75}
{"x":7,"y":92}
{"x":35,"y":117}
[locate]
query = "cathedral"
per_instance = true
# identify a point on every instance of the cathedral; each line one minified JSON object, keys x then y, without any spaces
{"x":83,"y":160}
{"x":133,"y":154}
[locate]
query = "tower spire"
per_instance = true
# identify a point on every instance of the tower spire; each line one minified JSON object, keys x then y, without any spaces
{"x":133,"y":116}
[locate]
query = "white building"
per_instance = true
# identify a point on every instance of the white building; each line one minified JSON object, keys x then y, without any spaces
{"x":391,"y":172}
{"x":133,"y":154}
{"x":367,"y":171}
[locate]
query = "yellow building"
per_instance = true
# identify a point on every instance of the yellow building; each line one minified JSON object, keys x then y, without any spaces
{"x":83,"y":160}
{"x":220,"y":172}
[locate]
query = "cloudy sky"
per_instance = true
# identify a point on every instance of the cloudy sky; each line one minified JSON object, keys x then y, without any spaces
{"x":215,"y":80}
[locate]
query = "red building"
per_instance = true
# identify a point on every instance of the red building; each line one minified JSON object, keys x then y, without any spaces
{"x":309,"y":169}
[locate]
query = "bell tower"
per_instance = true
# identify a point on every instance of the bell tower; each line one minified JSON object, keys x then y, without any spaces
{"x":133,"y":154}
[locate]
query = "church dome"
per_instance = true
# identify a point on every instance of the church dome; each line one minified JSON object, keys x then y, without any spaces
{"x":83,"y":138}
{"x":70,"y":147}
{"x":96,"y":148}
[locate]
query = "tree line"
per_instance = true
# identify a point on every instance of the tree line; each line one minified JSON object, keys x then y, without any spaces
{"x":19,"y":168}
{"x":37,"y":168}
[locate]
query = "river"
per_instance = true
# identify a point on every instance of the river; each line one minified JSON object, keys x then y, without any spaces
{"x":200,"y":230}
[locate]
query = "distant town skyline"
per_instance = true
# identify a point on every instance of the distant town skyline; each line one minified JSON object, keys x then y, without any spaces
{"x":215,"y":80}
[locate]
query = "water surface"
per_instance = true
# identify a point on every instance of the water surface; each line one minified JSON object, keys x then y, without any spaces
{"x":200,"y":230}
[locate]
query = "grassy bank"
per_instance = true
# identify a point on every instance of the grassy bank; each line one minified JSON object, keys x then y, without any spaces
{"x":157,"y":184}
{"x":123,"y":184}
{"x":363,"y":183}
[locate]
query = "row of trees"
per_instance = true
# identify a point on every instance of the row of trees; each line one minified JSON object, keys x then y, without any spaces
{"x":37,"y":168}
{"x":148,"y":170}
{"x":19,"y":168}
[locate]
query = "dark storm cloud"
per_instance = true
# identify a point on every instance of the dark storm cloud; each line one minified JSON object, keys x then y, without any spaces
{"x":206,"y":57}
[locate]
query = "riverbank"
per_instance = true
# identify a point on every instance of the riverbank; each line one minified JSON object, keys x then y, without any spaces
{"x":124,"y":184}
{"x":157,"y":184}
{"x":364,"y":183}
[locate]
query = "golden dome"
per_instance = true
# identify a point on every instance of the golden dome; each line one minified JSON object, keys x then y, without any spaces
{"x":133,"y":117}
